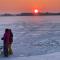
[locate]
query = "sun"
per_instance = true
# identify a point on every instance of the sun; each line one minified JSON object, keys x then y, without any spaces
{"x":36,"y":11}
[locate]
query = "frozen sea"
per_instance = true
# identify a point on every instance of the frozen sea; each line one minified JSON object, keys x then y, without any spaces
{"x":33,"y":35}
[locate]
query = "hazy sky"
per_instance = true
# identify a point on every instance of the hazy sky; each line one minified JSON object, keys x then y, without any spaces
{"x":29,"y":5}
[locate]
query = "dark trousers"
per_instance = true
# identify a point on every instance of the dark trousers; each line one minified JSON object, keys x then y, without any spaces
{"x":5,"y":50}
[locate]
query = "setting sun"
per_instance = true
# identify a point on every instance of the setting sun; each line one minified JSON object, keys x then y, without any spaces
{"x":36,"y":11}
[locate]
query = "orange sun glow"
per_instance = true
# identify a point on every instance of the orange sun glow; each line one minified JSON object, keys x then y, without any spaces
{"x":36,"y":11}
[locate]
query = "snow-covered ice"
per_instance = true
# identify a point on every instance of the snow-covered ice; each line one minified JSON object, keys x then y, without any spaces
{"x":53,"y":56}
{"x":34,"y":37}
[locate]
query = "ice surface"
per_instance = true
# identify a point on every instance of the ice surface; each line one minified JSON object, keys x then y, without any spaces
{"x":33,"y":35}
{"x":53,"y":56}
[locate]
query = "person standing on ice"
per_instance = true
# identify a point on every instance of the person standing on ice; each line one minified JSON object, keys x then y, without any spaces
{"x":10,"y":42}
{"x":8,"y":39}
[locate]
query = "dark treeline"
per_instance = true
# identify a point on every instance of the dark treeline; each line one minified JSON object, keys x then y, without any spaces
{"x":30,"y":14}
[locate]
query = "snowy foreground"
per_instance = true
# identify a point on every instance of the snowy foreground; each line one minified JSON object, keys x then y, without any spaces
{"x":53,"y":56}
{"x":35,"y":38}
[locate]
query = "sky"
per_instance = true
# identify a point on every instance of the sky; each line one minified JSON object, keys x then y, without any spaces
{"x":29,"y":5}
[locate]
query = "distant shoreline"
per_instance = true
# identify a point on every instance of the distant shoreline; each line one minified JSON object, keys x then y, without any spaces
{"x":31,"y":14}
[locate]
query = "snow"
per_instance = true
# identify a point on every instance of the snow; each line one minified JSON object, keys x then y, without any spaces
{"x":53,"y":56}
{"x":35,"y":38}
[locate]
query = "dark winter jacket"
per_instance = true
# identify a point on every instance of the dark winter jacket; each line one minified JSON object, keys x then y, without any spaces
{"x":8,"y":38}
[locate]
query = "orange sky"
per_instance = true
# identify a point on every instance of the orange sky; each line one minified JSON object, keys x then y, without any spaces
{"x":29,"y":5}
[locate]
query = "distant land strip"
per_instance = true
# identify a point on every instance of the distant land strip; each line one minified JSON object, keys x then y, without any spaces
{"x":30,"y":14}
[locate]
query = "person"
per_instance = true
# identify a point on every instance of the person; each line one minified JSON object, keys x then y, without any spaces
{"x":10,"y":43}
{"x":8,"y":39}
